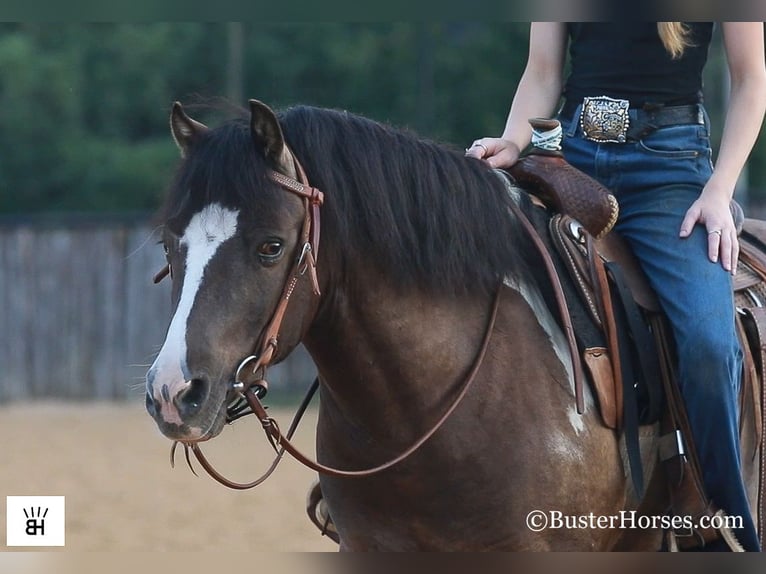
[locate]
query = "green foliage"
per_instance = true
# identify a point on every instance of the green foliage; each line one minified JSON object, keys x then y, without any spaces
{"x":83,"y":114}
{"x":83,"y":107}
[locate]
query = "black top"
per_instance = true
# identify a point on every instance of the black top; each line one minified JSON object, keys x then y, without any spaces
{"x":627,"y":60}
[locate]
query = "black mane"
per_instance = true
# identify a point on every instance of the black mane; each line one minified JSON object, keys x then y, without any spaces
{"x":426,"y":215}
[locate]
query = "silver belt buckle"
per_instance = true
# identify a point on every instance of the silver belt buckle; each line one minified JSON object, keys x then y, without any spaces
{"x":605,"y":119}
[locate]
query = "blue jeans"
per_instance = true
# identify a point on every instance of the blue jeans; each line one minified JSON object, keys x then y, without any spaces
{"x":655,"y":181}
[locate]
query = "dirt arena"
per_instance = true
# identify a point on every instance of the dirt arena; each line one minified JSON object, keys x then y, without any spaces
{"x":112,"y":464}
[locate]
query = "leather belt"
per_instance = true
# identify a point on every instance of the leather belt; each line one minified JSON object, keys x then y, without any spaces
{"x":646,"y":119}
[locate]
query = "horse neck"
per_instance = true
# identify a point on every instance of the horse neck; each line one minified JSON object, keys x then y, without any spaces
{"x":387,"y":356}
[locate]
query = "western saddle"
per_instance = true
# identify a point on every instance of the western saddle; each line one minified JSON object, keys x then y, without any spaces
{"x":623,"y":341}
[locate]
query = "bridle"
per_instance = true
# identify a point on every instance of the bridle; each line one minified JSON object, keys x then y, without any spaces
{"x":257,"y":363}
{"x":250,"y":379}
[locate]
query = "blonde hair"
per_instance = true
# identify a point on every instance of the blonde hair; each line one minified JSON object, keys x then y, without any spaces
{"x":675,"y":37}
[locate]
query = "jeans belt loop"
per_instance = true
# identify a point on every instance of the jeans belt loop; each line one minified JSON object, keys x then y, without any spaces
{"x":574,"y":120}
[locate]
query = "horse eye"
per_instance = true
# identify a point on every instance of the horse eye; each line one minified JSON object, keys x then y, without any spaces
{"x":270,"y":251}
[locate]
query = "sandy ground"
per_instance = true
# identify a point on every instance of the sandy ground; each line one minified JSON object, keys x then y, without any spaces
{"x":112,"y":465}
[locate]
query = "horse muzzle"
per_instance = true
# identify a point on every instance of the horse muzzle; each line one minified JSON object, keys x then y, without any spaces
{"x":186,"y":410}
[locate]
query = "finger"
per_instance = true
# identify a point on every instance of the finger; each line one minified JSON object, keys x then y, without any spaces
{"x":478,"y":149}
{"x":691,"y":218}
{"x":503,"y":158}
{"x":713,"y":244}
{"x":726,"y":250}
{"x":734,"y":253}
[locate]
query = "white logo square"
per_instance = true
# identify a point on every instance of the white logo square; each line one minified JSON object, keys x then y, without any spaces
{"x":35,"y":520}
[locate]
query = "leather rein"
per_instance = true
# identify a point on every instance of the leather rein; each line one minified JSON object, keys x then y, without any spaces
{"x":250,"y":379}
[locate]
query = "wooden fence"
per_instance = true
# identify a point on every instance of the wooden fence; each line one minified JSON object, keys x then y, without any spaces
{"x":79,"y":315}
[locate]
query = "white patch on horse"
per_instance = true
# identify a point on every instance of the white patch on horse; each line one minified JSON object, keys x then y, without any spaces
{"x":547,"y":321}
{"x":575,"y":419}
{"x":563,"y":445}
{"x":559,"y":343}
{"x":203,"y":236}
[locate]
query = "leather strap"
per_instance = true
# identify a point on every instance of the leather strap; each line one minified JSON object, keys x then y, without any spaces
{"x":558,"y":290}
{"x":751,"y":367}
{"x":270,"y":470}
{"x":306,"y":260}
{"x":630,"y":375}
{"x":759,"y":410}
{"x":648,"y":363}
{"x":606,"y":309}
{"x":281,"y":443}
{"x":687,"y":493}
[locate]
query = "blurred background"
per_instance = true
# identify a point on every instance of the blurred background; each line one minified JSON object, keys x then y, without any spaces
{"x":85,"y":158}
{"x":86,"y":155}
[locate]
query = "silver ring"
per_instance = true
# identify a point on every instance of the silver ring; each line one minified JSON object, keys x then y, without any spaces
{"x":478,"y":144}
{"x":718,"y":231}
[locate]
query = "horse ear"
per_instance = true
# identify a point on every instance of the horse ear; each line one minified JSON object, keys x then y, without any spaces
{"x":267,"y":135}
{"x":184,"y":129}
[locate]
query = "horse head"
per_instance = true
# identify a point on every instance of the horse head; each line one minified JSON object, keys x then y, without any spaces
{"x":233,"y":239}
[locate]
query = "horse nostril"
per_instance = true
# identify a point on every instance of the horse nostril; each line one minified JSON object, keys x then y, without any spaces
{"x":151,"y":407}
{"x":191,"y":398}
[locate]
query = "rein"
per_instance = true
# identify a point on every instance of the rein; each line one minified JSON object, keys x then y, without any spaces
{"x":250,"y":379}
{"x":281,"y":443}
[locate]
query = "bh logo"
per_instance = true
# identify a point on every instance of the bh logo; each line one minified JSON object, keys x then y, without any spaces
{"x":35,"y":520}
{"x":35,"y":526}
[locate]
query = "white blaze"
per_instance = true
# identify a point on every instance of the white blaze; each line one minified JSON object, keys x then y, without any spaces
{"x":206,"y":232}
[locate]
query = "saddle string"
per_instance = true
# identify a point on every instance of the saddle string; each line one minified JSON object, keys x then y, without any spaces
{"x":547,"y":139}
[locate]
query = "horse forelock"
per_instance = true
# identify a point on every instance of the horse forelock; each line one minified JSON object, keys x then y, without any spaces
{"x":222,"y":168}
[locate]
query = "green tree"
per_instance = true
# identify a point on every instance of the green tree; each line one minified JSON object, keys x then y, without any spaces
{"x":83,"y":107}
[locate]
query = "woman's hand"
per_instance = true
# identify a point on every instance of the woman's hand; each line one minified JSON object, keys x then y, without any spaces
{"x":713,"y":211}
{"x":497,"y":152}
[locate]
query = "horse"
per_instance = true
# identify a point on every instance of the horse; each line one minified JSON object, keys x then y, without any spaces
{"x":423,"y":285}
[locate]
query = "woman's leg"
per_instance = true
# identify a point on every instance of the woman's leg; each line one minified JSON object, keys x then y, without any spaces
{"x":655,"y":182}
{"x":696,"y":296}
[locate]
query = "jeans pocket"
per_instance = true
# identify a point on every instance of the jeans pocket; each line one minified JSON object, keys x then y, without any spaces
{"x":677,"y":142}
